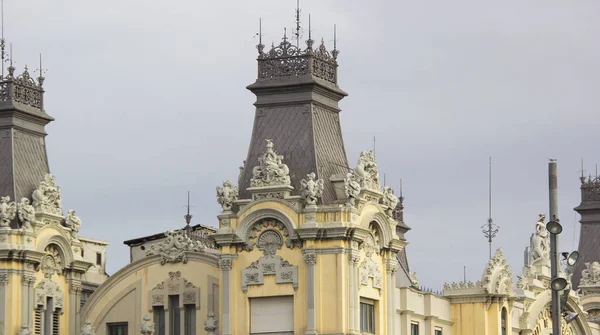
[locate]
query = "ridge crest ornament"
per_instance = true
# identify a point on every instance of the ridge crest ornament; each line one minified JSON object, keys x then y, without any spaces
{"x":46,"y":198}
{"x":312,"y":189}
{"x":8,"y":211}
{"x":271,"y":170}
{"x":227,"y":195}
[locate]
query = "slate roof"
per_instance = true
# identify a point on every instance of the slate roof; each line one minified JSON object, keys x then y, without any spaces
{"x":23,"y":158}
{"x":301,"y":116}
{"x":589,"y":239}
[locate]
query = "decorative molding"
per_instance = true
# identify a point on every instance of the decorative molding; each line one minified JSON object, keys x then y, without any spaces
{"x":270,"y":265}
{"x":590,"y":276}
{"x":497,"y":278}
{"x":310,"y":256}
{"x":225,"y":264}
{"x":54,"y":251}
{"x":46,"y":198}
{"x":175,"y":247}
{"x":22,"y":89}
{"x":256,"y":231}
{"x":48,"y":288}
{"x":175,"y":285}
{"x":370,"y":269}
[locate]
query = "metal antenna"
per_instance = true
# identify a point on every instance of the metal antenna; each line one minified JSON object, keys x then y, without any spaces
{"x":490,"y":229}
{"x":2,"y":43}
{"x":298,"y":23}
{"x":188,"y":216}
{"x":373,"y":146}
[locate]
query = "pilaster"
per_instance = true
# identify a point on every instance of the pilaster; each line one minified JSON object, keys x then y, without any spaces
{"x":391,"y":266}
{"x":3,"y":284}
{"x":27,"y":284}
{"x":75,"y":288}
{"x":353,"y":305}
{"x":310,"y":257}
{"x":226,"y":263}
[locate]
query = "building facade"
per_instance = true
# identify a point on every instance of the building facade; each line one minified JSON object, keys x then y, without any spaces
{"x":44,"y":264}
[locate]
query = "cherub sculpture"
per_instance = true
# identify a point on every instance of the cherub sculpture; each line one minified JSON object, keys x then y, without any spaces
{"x":312,"y":189}
{"x":351,"y":189}
{"x":390,"y":200}
{"x":227,"y":195}
{"x":8,"y":210}
{"x":26,"y":213}
{"x":74,"y":222}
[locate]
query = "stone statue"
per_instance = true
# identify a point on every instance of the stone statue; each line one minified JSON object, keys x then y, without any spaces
{"x":211,"y":324}
{"x":591,"y":275}
{"x":46,"y":198}
{"x":366,"y":171}
{"x":8,"y":210}
{"x":540,"y":243}
{"x":312,"y":189}
{"x":147,"y":327}
{"x":271,"y":171}
{"x":87,"y":328}
{"x":351,"y":189}
{"x":390,"y":200}
{"x":74,"y":222}
{"x":414,"y":279}
{"x":26,"y":213}
{"x":25,"y":330}
{"x":227,"y":195}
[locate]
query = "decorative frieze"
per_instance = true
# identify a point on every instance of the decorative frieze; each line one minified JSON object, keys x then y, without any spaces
{"x":175,"y":247}
{"x":175,"y":285}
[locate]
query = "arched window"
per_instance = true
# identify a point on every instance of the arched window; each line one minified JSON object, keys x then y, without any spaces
{"x":503,"y":321}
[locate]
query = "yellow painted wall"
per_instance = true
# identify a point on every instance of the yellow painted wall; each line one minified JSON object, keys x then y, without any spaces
{"x":124,"y":297}
{"x":474,"y":319}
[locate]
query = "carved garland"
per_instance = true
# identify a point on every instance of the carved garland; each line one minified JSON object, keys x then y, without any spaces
{"x":269,"y":241}
{"x":175,"y":285}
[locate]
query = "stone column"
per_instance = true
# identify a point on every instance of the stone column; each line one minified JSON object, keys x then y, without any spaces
{"x":3,"y":284}
{"x":226,"y":263}
{"x":391,"y":265}
{"x":74,"y":303}
{"x":354,"y":304}
{"x":310,"y":257}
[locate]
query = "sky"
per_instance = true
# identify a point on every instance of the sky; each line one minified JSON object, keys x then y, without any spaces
{"x":149,"y":99}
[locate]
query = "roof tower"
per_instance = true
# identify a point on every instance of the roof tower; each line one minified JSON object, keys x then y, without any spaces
{"x":297,"y":98}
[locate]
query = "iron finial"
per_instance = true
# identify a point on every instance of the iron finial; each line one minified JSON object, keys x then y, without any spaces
{"x":188,"y":216}
{"x":2,"y":43}
{"x":41,"y":70}
{"x":298,"y":23}
{"x":260,"y":46}
{"x":309,"y":42}
{"x":335,"y":51}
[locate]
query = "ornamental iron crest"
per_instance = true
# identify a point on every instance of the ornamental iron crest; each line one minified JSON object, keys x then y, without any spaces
{"x":22,"y":89}
{"x":271,"y":170}
{"x":590,"y":190}
{"x":46,"y":198}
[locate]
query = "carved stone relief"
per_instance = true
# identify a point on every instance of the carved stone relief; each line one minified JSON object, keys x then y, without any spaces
{"x":351,"y":189}
{"x":312,"y":189}
{"x":73,"y":222}
{"x":54,"y":251}
{"x":271,"y":170}
{"x":389,"y":200}
{"x":590,"y":276}
{"x":26,"y":213}
{"x":48,"y":289}
{"x":366,"y":172}
{"x":227,"y":195}
{"x":269,"y":241}
{"x":175,"y":285}
{"x":8,"y":210}
{"x":175,"y":247}
{"x":46,"y":198}
{"x":370,"y":269}
{"x":258,"y":228}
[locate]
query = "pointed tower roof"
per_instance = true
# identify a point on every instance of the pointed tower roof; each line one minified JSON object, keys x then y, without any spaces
{"x":297,"y":97}
{"x":23,"y":157}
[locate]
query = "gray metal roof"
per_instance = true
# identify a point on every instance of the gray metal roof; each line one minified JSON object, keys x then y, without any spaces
{"x":589,"y":237}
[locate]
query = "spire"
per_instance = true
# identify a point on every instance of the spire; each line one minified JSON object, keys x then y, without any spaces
{"x":490,"y":229}
{"x":23,"y":157}
{"x":297,"y":106}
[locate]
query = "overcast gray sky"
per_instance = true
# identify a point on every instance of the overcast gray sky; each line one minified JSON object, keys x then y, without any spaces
{"x":150,"y":102}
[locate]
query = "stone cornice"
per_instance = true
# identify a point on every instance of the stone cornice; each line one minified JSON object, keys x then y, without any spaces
{"x":21,"y":255}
